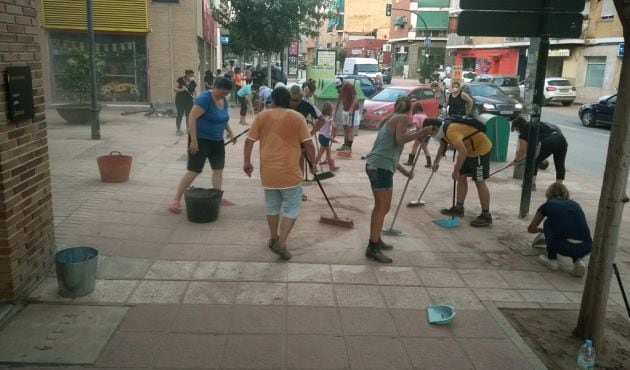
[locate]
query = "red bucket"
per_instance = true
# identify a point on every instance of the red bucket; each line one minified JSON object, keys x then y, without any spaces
{"x":114,"y":167}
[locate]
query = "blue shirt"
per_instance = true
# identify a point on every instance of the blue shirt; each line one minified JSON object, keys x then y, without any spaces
{"x":212,"y":122}
{"x":244,"y":91}
{"x":565,"y":219}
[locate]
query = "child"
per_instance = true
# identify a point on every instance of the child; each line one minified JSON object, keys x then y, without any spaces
{"x":417,"y":119}
{"x":327,"y":132}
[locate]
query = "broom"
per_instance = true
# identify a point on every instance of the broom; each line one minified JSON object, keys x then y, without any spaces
{"x":322,"y":175}
{"x":335,"y":220}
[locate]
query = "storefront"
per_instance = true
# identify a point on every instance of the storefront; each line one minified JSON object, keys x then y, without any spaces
{"x":490,"y":61}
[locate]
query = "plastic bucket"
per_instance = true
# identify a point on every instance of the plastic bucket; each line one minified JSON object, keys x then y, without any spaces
{"x":76,"y":271}
{"x":114,"y":167}
{"x":202,"y":205}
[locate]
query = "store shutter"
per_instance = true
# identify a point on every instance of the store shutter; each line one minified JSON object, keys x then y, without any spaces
{"x":109,"y":15}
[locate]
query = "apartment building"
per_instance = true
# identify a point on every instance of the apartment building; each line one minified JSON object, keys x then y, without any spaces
{"x":145,"y":45}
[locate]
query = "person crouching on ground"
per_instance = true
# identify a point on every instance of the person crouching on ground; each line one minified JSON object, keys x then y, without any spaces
{"x":566,"y":230}
{"x":282,"y":133}
{"x":382,"y":162}
{"x":551,"y":142}
{"x":473,"y":160}
{"x":246,"y":98}
{"x":208,"y":119}
{"x":327,"y":132}
{"x":417,"y":119}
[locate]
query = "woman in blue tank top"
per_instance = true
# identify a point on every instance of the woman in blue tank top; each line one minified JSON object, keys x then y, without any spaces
{"x":382,"y":161}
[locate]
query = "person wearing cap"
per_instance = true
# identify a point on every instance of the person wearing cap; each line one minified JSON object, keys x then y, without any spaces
{"x":473,"y":160}
{"x":349,"y":100}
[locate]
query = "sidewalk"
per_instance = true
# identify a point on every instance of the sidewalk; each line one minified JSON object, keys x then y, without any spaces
{"x":174,"y":294}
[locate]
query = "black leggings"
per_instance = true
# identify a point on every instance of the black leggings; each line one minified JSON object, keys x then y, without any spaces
{"x":243,"y":101}
{"x":184,"y":106}
{"x":557,"y":146}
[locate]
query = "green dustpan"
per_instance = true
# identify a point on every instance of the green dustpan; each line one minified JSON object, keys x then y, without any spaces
{"x":448,"y":223}
{"x":440,"y":314}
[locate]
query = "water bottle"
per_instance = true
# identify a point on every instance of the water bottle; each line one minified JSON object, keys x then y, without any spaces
{"x":586,"y":356}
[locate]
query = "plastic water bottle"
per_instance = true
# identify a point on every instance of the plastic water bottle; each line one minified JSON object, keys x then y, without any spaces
{"x":586,"y":356}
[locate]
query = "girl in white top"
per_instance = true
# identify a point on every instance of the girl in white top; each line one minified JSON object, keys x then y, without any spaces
{"x":327,"y":132}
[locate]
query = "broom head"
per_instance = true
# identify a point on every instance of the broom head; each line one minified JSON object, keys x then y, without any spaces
{"x":337,"y":221}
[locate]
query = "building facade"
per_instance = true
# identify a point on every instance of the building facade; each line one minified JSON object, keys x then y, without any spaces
{"x":143,"y":46}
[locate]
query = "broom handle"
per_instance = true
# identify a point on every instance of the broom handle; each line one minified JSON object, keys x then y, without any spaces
{"x":235,"y":137}
{"x":454,"y":186}
{"x":623,"y":291}
{"x":320,"y":186}
{"x":425,"y":187}
{"x":413,"y":166}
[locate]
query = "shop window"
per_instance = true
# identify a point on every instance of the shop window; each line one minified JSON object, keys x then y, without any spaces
{"x":608,"y":9}
{"x":124,"y":62}
{"x":595,"y":67}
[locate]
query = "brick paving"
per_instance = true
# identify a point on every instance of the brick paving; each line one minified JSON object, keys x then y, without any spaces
{"x":213,"y":295}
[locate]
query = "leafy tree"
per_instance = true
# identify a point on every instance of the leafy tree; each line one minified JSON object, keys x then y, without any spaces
{"x":75,"y":73}
{"x":268,"y":26}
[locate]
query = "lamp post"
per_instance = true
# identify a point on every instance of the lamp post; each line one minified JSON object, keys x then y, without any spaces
{"x":96,"y":129}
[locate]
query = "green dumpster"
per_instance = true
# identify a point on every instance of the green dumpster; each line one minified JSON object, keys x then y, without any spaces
{"x":498,"y":131}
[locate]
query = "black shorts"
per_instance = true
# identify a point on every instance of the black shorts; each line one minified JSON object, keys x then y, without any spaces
{"x":469,"y":168}
{"x":213,"y":150}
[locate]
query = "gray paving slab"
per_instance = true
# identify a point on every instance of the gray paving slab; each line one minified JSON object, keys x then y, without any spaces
{"x":246,"y":351}
{"x":316,"y":352}
{"x":313,"y":320}
{"x":436,"y":353}
{"x":44,"y":333}
{"x":391,"y":353}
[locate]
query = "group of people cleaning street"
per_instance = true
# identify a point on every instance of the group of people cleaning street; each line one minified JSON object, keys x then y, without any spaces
{"x":285,"y":139}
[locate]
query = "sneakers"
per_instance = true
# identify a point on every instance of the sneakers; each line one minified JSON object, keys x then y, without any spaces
{"x":280,"y":251}
{"x":550,"y":264}
{"x":579,"y":268}
{"x":481,"y":221}
{"x":453,"y":211}
{"x":344,"y":148}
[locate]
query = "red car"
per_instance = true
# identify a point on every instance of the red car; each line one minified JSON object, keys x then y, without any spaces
{"x":382,"y":104}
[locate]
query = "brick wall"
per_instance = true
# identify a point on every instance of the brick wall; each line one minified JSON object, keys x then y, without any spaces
{"x":172,"y":47}
{"x":26,"y":219}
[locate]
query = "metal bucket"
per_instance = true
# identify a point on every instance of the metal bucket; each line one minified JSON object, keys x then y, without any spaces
{"x":76,"y":271}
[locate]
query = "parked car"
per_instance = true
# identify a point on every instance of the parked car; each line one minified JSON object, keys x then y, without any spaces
{"x":366,"y":84}
{"x":559,"y":89}
{"x":382,"y":104}
{"x":276,"y":75}
{"x":467,"y":76}
{"x":387,"y":75}
{"x":507,"y":83}
{"x":488,"y":98}
{"x":600,"y":113}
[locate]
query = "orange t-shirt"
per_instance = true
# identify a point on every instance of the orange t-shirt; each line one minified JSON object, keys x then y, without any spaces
{"x":238,"y":79}
{"x":281,"y":132}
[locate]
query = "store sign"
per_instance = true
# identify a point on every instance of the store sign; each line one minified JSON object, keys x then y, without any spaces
{"x":457,"y":74}
{"x":20,"y":86}
{"x":225,"y":40}
{"x":620,"y":50}
{"x":357,"y":51}
{"x":326,"y":58}
{"x":559,"y":53}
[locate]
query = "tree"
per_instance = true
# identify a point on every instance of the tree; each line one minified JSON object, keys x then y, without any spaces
{"x":613,"y":196}
{"x":268,"y":26}
{"x":74,"y":75}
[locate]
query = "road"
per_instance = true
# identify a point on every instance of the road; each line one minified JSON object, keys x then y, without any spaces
{"x":588,"y":146}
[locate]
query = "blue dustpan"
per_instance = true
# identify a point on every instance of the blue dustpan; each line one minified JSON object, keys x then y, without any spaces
{"x":448,"y":223}
{"x":440,"y":314}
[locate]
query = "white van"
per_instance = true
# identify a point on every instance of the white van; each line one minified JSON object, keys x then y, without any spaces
{"x":361,"y":66}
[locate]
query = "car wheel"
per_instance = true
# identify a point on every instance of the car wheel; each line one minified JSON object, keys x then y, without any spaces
{"x":587,"y":118}
{"x":567,"y":103}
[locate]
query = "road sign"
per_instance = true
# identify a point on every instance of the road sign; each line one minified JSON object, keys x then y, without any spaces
{"x":427,"y":42}
{"x":456,"y":75}
{"x":519,"y":24}
{"x":620,"y":50}
{"x":528,"y":5}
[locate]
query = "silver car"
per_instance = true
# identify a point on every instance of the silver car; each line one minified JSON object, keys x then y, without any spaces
{"x":507,"y":83}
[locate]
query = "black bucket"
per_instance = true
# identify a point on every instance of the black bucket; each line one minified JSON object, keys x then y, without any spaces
{"x":202,"y":205}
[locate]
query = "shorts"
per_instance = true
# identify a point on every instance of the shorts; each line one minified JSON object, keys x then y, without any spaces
{"x":469,"y":168}
{"x":324,"y":141}
{"x":350,"y":119}
{"x":380,"y":179}
{"x":288,"y":201}
{"x":213,"y":150}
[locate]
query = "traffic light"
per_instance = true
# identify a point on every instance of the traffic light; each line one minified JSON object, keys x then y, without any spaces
{"x":388,"y":10}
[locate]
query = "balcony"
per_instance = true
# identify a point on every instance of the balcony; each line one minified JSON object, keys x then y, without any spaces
{"x":455,"y":39}
{"x":512,"y":40}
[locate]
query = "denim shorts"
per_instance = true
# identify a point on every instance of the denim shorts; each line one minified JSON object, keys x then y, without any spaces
{"x":288,"y":201}
{"x":324,"y":141}
{"x":380,"y":179}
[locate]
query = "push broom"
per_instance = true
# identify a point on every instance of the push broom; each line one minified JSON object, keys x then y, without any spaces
{"x":420,"y":202}
{"x":322,"y":175}
{"x":335,"y":220}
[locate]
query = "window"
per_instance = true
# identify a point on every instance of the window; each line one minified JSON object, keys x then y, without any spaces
{"x":434,"y":20}
{"x":608,"y":9}
{"x":595,"y":67}
{"x":422,"y":94}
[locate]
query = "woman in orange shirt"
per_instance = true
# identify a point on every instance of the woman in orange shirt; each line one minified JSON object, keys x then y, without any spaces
{"x":238,"y":82}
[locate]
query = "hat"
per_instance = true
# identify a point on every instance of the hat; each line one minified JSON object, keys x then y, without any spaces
{"x":338,"y":81}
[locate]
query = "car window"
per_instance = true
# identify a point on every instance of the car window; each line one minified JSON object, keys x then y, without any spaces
{"x":470,"y":75}
{"x":483,"y":79}
{"x":366,"y":67}
{"x":505,"y":82}
{"x":485,"y":90}
{"x":558,"y":83}
{"x":422,"y":94}
{"x":388,"y":95}
{"x":365,"y":81}
{"x":613,"y":100}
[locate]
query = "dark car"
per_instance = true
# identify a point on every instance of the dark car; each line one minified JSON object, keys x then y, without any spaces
{"x":600,"y":113}
{"x":387,"y":75}
{"x":366,"y":84}
{"x":276,"y":76}
{"x":488,"y":98}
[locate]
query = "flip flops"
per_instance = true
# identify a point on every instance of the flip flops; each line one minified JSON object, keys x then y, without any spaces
{"x":175,"y":207}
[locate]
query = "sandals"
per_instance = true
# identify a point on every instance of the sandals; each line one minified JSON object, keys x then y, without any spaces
{"x":175,"y":207}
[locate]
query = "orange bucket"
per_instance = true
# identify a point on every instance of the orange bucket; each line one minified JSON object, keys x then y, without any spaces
{"x":114,"y":167}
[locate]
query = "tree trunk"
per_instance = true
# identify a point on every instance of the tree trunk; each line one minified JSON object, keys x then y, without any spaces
{"x":592,"y":320}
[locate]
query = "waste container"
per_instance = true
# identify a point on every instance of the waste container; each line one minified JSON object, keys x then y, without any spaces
{"x":76,"y":271}
{"x":498,"y":131}
{"x":202,"y":205}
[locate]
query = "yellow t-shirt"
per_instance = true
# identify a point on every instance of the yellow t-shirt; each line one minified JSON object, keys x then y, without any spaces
{"x":280,"y":131}
{"x":478,"y":144}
